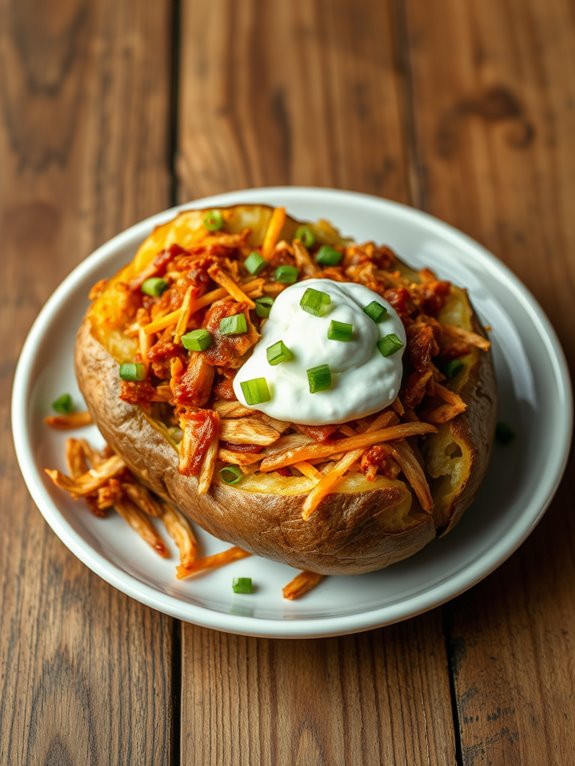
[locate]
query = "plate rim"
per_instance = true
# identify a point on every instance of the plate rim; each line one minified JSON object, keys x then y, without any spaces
{"x":304,"y":627}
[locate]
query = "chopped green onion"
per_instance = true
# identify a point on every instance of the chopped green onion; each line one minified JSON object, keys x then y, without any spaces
{"x":264,"y":306}
{"x":234,"y":325}
{"x":64,"y":404}
{"x":453,"y":367}
{"x":154,"y":286}
{"x":315,"y":302}
{"x":286,"y":274}
{"x":231,"y":474}
{"x":133,"y":371}
{"x":305,"y":236}
{"x":319,"y":378}
{"x":197,"y":340}
{"x":504,"y":433}
{"x":256,"y":391}
{"x":376,"y":311}
{"x":214,"y":220}
{"x":278,"y":352}
{"x":254,"y":263}
{"x":340,"y":331}
{"x":242,"y":585}
{"x":328,"y":256}
{"x":389,"y":344}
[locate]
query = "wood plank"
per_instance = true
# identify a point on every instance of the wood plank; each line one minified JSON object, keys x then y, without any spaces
{"x":494,"y":125}
{"x":303,"y":93}
{"x":289,"y":93}
{"x":86,"y":672}
{"x":380,"y":697}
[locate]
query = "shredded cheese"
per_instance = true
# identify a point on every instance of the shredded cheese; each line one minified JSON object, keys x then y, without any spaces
{"x":273,"y":232}
{"x":212,"y":562}
{"x":306,"y":452}
{"x":332,"y":477}
{"x":184,"y":318}
{"x":228,"y":284}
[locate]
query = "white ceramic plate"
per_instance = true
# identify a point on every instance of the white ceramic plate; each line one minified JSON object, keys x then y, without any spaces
{"x":535,"y":399}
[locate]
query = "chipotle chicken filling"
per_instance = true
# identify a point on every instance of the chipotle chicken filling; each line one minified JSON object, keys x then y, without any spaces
{"x":188,"y":375}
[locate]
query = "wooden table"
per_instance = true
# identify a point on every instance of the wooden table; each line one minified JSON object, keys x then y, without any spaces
{"x":113,"y":109}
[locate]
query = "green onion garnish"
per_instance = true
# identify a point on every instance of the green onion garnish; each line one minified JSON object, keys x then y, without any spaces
{"x":278,"y":353}
{"x":230,"y":474}
{"x":64,"y":404}
{"x":389,"y":344}
{"x":264,"y":306}
{"x":286,"y":274}
{"x":256,"y":391}
{"x":214,"y":220}
{"x":154,"y":286}
{"x":376,"y":311}
{"x":328,"y":256}
{"x":242,"y":585}
{"x":197,"y":340}
{"x":453,"y":367}
{"x":315,"y":302}
{"x":254,"y":263}
{"x":234,"y":325}
{"x":504,"y":433}
{"x":305,"y":236}
{"x":133,"y":371}
{"x":319,"y":378}
{"x":340,"y":331}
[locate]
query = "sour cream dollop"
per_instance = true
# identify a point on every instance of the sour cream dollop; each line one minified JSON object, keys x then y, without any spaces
{"x":363,"y":380}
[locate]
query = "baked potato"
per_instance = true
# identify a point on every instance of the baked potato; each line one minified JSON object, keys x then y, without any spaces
{"x":244,"y":476}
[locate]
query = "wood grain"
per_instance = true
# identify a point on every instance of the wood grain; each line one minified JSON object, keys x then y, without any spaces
{"x":86,"y":672}
{"x":368,"y":699}
{"x":285,"y":93}
{"x":494,"y":118}
{"x":281,"y":93}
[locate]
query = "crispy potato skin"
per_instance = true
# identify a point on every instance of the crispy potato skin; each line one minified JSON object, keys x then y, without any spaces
{"x":349,"y":533}
{"x":474,"y":428}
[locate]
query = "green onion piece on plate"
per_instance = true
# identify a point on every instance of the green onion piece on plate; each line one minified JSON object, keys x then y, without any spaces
{"x":234,"y":325}
{"x":197,"y":340}
{"x":154,"y":286}
{"x":286,"y":274}
{"x":264,"y":306}
{"x":319,"y":378}
{"x":389,"y":344}
{"x":278,"y":353}
{"x":376,"y":311}
{"x":254,"y":263}
{"x":64,"y":404}
{"x":340,"y":331}
{"x":231,"y":474}
{"x":256,"y":391}
{"x":133,"y":371}
{"x":453,"y":367}
{"x":305,"y":236}
{"x":315,"y":302}
{"x":214,"y":220}
{"x":242,"y":585}
{"x":504,"y":433}
{"x":328,"y":256}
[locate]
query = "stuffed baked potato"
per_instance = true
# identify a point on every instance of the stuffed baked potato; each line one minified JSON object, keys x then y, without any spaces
{"x":331,"y":498}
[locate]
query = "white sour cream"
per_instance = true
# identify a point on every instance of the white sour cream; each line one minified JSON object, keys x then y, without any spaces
{"x":363,"y":380}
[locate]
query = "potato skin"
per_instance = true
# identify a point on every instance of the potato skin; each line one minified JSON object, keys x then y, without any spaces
{"x":348,"y":534}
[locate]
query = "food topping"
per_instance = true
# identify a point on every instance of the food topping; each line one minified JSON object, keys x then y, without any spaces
{"x":242,"y":585}
{"x":282,"y":348}
{"x":358,"y":374}
{"x":63,"y":405}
